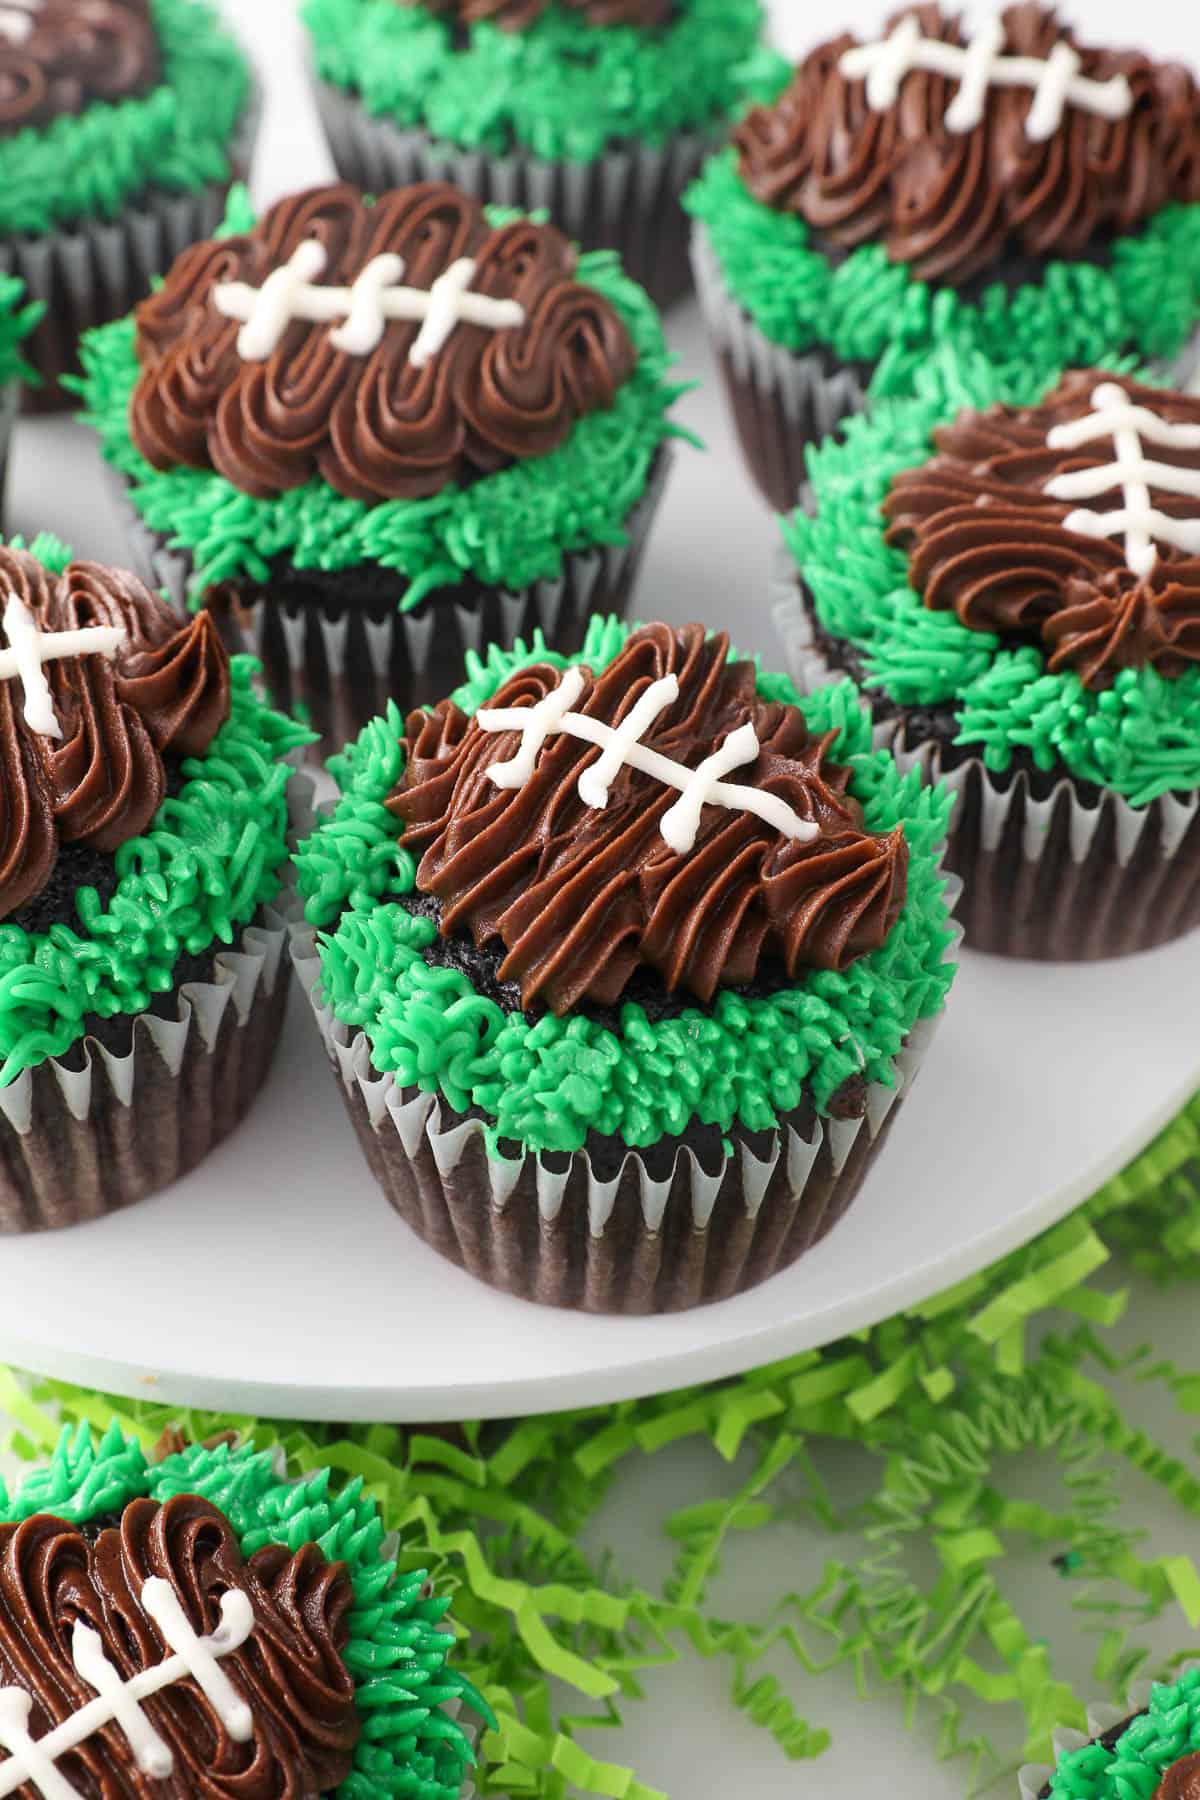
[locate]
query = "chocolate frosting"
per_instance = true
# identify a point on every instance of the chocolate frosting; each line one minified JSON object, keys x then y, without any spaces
{"x":290,"y":1670}
{"x":987,"y":542}
{"x":376,"y":426}
{"x":518,"y":15}
{"x":950,"y":205}
{"x":1181,"y":1781}
{"x":76,"y":52}
{"x":166,"y":691}
{"x":581,"y":897}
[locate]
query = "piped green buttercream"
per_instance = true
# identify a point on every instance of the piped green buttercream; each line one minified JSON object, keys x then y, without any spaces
{"x":506,"y":529}
{"x":1140,"y":737}
{"x":18,"y":316}
{"x":397,"y":1649}
{"x":1132,"y":1767}
{"x":561,"y":87}
{"x":545,"y":1085}
{"x":177,"y":137}
{"x":865,"y":308}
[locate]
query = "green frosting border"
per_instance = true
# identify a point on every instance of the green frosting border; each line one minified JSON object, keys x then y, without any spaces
{"x":545,"y":1085}
{"x":213,"y":854}
{"x":561,"y":89}
{"x":176,"y":137}
{"x":871,"y":310}
{"x":1166,"y":1731}
{"x":507,"y":530}
{"x":1140,"y":737}
{"x":18,"y":316}
{"x":397,"y":1652}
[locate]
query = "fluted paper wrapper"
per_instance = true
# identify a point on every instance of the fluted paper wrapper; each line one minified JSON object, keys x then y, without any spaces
{"x":627,"y":200}
{"x":85,"y":1136}
{"x":548,"y":1228}
{"x":1033,"y":1779}
{"x":340,"y":671}
{"x":10,"y":399}
{"x":99,"y":269}
{"x":1056,"y":877}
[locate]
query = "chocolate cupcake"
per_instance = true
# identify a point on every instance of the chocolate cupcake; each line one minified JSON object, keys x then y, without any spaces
{"x":617,"y":1032}
{"x":122,"y":124}
{"x":1018,"y":590}
{"x":458,"y":433}
{"x":143,"y":816}
{"x":209,"y":1625}
{"x":1015,"y":195}
{"x":598,"y":111}
{"x":1155,"y":1751}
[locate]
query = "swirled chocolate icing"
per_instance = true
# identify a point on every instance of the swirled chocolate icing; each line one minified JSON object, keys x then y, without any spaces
{"x":987,"y":542}
{"x":166,"y":692}
{"x":950,"y":205}
{"x":290,"y":1669}
{"x":580,"y":897}
{"x":518,"y":15}
{"x":59,"y":56}
{"x":375,"y":426}
{"x":1181,"y":1781}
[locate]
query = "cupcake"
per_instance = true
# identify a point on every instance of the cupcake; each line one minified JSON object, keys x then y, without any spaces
{"x":1018,"y":590}
{"x":122,"y":123}
{"x":371,"y":435}
{"x":598,"y":111}
{"x":1013,"y":193}
{"x":143,"y":818}
{"x":1155,"y":1752}
{"x":624,"y":960}
{"x":18,"y":316}
{"x":208,"y":1625}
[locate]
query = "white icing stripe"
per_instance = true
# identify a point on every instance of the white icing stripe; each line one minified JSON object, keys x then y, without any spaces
{"x":622,"y":747}
{"x":119,"y":1701}
{"x":17,"y":19}
{"x":981,"y":66}
{"x":377,"y":296}
{"x":29,"y":648}
{"x":1142,"y":524}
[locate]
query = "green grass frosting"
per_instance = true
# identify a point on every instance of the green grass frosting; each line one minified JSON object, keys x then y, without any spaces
{"x":506,"y":529}
{"x":866,"y":308}
{"x":562,"y":88}
{"x":18,"y":317}
{"x":545,"y":1085}
{"x":397,"y":1650}
{"x":1140,"y":737}
{"x":177,"y":137}
{"x":1132,"y":1768}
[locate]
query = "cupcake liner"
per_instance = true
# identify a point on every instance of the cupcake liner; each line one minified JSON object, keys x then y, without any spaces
{"x":95,"y":1131}
{"x":99,"y":269}
{"x":549,"y":1228}
{"x":783,"y":400}
{"x":10,"y":400}
{"x":627,"y":200}
{"x":340,"y":671}
{"x":1033,"y":1779}
{"x":1069,"y":874}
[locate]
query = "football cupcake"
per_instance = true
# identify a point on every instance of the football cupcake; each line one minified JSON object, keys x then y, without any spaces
{"x":122,"y":124}
{"x":143,"y":817}
{"x":1153,"y":1752}
{"x":1018,"y":589}
{"x":373,"y":434}
{"x":209,"y":1625}
{"x":1011,"y":192}
{"x":625,"y":959}
{"x":598,"y":111}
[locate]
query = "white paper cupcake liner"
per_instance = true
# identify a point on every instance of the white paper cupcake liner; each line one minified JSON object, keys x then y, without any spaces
{"x":1101,"y":1718}
{"x":94,"y":1131}
{"x":627,"y":200}
{"x":549,"y":1228}
{"x":339,"y":672}
{"x":1062,"y":876}
{"x":10,"y":400}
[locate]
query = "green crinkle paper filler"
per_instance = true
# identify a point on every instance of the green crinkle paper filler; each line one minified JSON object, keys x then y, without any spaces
{"x":545,"y":1085}
{"x":913,"y":1587}
{"x":1146,"y":301}
{"x":397,"y":1651}
{"x":1140,"y":737}
{"x":176,"y":137}
{"x":560,"y":88}
{"x":508,"y":529}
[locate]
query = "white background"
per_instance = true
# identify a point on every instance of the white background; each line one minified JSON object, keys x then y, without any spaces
{"x":708,"y":560}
